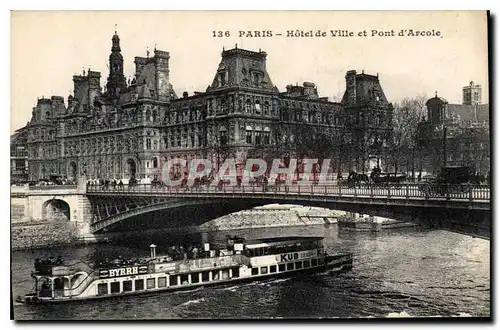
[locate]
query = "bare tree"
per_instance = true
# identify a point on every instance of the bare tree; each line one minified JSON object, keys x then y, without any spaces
{"x":407,"y":115}
{"x":218,"y":144}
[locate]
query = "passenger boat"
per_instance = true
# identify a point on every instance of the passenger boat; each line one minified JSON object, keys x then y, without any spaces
{"x":239,"y":260}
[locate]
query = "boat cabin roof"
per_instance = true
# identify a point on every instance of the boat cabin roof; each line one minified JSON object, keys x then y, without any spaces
{"x":280,"y":241}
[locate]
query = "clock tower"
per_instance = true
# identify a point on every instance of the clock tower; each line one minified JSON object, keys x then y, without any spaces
{"x":116,"y":79}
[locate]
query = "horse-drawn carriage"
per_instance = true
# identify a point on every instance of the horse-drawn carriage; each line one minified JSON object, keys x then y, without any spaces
{"x":450,"y":180}
{"x":376,"y":178}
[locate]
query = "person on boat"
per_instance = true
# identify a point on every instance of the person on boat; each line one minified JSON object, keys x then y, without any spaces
{"x":175,"y":253}
{"x":183,"y":254}
{"x":195,"y":253}
{"x":59,"y":260}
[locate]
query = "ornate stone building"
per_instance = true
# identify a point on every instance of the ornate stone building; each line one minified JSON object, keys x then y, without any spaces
{"x":131,"y":128}
{"x":19,"y":156}
{"x":456,"y":134}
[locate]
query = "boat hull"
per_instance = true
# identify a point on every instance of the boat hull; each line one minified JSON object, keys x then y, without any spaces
{"x":335,"y":264}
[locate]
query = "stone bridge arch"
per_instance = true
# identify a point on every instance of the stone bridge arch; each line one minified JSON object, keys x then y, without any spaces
{"x":56,"y":209}
{"x":63,"y":207}
{"x":206,"y":210}
{"x":211,"y":207}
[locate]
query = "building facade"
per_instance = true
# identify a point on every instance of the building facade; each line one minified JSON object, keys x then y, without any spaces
{"x":131,"y":128}
{"x":19,"y":156}
{"x":456,"y":134}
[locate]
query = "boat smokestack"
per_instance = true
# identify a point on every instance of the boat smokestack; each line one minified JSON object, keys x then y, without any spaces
{"x":153,"y":250}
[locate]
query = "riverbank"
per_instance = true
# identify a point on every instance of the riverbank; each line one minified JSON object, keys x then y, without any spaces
{"x":39,"y":234}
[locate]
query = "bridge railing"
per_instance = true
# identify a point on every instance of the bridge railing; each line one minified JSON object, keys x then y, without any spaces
{"x":54,"y":187}
{"x":423,"y":191}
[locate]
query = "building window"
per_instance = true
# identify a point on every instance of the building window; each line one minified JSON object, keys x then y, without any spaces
{"x":289,"y":266}
{"x":263,"y":270}
{"x":258,"y":135}
{"x":255,"y":271}
{"x":184,"y":279}
{"x":248,"y":106}
{"x":148,"y":143}
{"x":249,"y":136}
{"x":257,"y":107}
{"x":195,"y":277}
{"x":266,"y":137}
{"x":236,"y":272}
{"x":298,"y":265}
{"x":139,"y":285}
{"x":155,"y":162}
{"x":222,"y":137}
{"x":127,"y":286}
{"x":272,"y":269}
{"x":223,"y":105}
{"x":266,"y":108}
{"x":307,"y":264}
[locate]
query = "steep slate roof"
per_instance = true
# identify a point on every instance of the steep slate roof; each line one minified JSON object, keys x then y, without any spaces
{"x":243,"y":68}
{"x":469,"y":113}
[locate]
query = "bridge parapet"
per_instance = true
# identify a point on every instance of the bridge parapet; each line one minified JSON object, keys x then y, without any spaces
{"x":53,"y":190}
{"x":406,"y":191}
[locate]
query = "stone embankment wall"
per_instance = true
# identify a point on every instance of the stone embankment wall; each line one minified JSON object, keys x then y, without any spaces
{"x":43,"y":233}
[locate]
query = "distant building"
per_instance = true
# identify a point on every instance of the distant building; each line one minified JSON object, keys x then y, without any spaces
{"x":19,"y":156}
{"x":456,"y":134}
{"x":471,"y":94}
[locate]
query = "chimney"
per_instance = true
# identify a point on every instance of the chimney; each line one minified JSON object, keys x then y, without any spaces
{"x":350,"y":80}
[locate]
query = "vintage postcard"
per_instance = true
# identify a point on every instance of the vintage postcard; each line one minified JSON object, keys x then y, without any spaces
{"x":250,"y":165}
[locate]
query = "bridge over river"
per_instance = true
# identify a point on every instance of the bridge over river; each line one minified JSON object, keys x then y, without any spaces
{"x":454,"y":208}
{"x":97,"y":209}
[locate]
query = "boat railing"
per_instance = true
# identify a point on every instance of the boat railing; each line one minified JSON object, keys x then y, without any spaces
{"x":62,"y":269}
{"x":207,"y":263}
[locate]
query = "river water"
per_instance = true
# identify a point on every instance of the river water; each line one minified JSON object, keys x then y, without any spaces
{"x":410,"y":271}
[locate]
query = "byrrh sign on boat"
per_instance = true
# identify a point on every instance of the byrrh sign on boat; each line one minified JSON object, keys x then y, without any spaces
{"x":125,"y":271}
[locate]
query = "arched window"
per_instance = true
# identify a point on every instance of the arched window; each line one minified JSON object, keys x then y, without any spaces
{"x":155,"y":162}
{"x":258,"y":135}
{"x":266,"y":138}
{"x":222,"y":136}
{"x":249,"y":134}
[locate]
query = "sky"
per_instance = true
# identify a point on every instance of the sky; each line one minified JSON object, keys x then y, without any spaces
{"x":49,"y":47}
